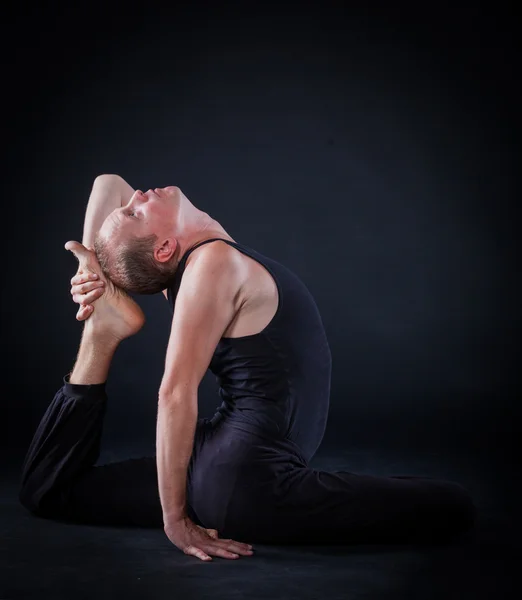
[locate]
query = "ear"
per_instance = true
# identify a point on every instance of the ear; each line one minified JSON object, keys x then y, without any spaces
{"x":165,"y":251}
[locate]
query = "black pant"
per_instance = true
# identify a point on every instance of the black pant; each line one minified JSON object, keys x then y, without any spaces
{"x":238,"y":483}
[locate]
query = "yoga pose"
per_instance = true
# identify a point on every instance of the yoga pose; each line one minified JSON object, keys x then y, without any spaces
{"x":243,"y":475}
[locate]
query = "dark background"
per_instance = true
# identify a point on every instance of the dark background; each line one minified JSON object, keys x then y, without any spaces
{"x":373,"y":149}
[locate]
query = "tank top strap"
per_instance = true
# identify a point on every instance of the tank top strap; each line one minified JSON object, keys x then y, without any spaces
{"x":190,"y":250}
{"x":173,"y":288}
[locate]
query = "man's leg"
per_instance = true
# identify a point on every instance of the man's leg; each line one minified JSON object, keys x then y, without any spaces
{"x":344,"y":508}
{"x":247,"y":489}
{"x":59,"y":479}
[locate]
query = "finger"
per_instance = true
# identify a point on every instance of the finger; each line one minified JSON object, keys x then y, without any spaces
{"x":89,"y":286}
{"x":84,"y":312}
{"x":236,"y":549}
{"x":193,"y":551}
{"x":234,"y":546}
{"x":88,"y":298}
{"x":79,"y":250}
{"x":213,"y":533}
{"x":83,"y":277}
{"x":221,"y":552}
{"x":91,"y":296}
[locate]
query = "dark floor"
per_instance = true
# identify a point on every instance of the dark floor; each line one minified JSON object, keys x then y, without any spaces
{"x":48,"y":560}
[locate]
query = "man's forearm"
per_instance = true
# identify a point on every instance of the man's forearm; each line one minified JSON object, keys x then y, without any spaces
{"x":176,"y":426}
{"x":108,"y":192}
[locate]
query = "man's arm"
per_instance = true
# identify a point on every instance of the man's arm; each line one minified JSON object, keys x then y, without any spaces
{"x":108,"y":192}
{"x":205,"y":305}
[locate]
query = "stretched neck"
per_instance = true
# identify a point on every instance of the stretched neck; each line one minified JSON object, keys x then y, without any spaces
{"x":194,"y":226}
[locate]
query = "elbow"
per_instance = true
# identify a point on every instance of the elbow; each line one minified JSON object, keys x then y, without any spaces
{"x":107,"y":179}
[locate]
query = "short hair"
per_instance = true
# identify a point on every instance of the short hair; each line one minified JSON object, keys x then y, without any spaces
{"x":131,"y":265}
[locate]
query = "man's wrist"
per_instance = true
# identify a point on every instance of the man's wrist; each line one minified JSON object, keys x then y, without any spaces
{"x":173,"y":514}
{"x":173,"y":520}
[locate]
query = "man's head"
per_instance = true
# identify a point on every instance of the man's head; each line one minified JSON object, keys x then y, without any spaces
{"x":136,"y":245}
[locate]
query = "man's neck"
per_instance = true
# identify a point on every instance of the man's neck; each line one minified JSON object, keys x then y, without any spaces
{"x":195,"y":226}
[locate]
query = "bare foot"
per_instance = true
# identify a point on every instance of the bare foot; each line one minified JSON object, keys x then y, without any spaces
{"x":115,"y":313}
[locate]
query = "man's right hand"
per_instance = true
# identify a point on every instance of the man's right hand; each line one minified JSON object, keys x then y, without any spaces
{"x":86,"y":287}
{"x":116,"y":313}
{"x":203,"y":543}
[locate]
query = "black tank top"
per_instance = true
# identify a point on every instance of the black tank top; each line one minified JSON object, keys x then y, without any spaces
{"x":276,"y":382}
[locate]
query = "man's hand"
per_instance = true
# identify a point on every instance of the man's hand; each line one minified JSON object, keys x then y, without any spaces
{"x":86,"y":287}
{"x":200,"y":542}
{"x":116,"y":314}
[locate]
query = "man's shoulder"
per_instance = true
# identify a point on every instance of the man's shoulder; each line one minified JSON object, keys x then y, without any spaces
{"x":212,"y":260}
{"x":212,"y":255}
{"x":215,"y":262}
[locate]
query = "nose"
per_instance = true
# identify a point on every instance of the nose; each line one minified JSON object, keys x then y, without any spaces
{"x":140,"y":196}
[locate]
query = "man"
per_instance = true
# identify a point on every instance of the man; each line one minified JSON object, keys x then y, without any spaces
{"x":244,"y":473}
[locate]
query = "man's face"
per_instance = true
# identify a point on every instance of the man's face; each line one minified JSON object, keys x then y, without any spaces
{"x":152,"y":212}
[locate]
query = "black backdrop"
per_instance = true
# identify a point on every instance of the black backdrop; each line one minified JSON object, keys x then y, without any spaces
{"x":374,"y":151}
